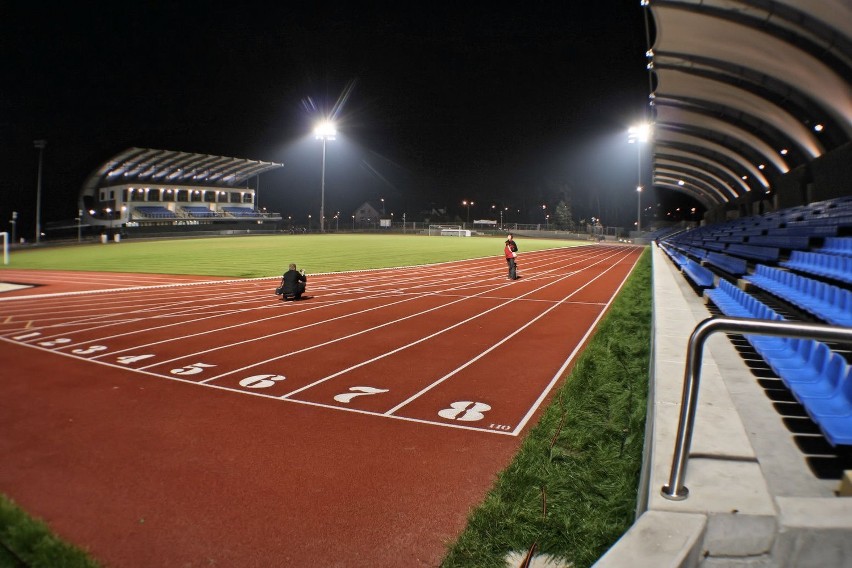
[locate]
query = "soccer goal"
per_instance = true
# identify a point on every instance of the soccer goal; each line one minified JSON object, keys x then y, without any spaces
{"x":448,"y":231}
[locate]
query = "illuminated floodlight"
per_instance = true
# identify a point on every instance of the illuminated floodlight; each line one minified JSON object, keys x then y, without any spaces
{"x":325,"y":130}
{"x":639,"y":133}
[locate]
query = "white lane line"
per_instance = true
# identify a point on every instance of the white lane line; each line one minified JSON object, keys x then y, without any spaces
{"x":265,"y":305}
{"x":559,"y":373}
{"x":330,"y":342}
{"x":431,"y":336}
{"x":358,"y":299}
{"x":485,"y":352}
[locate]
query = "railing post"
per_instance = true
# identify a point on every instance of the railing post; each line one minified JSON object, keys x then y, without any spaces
{"x":675,"y":490}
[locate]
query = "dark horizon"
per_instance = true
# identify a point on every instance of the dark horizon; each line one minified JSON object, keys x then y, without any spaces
{"x":509,"y":106}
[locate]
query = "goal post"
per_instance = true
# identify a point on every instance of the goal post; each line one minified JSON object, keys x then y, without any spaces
{"x":5,"y":247}
{"x":448,"y":231}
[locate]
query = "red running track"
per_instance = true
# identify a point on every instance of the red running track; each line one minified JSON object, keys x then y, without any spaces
{"x":207,"y":422}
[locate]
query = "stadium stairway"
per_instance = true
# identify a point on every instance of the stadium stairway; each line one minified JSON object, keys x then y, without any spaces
{"x":753,"y":500}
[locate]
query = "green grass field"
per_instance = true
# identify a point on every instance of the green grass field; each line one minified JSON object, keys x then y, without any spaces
{"x":583,"y":458}
{"x":269,"y":255}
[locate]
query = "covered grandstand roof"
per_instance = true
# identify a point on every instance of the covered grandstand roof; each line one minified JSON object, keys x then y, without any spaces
{"x":147,"y":166}
{"x":744,"y":91}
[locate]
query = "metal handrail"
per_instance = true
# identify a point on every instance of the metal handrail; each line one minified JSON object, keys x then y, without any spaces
{"x":675,"y":490}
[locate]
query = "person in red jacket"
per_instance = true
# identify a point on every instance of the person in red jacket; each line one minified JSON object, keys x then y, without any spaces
{"x":510,"y":260}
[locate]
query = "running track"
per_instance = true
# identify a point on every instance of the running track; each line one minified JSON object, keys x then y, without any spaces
{"x":175,"y":421}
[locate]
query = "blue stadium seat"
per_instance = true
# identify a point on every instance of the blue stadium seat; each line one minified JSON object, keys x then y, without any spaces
{"x":838,"y":404}
{"x":803,"y":366}
{"x":838,"y":431}
{"x":827,"y":385}
{"x":730,"y":264}
{"x":699,"y":275}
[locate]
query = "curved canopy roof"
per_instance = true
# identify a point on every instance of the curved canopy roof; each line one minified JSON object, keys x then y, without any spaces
{"x":147,"y":166}
{"x":746,"y":90}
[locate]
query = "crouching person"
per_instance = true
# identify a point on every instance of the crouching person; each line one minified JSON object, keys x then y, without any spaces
{"x":293,"y":284}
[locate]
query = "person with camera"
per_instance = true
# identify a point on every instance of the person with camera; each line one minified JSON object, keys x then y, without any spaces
{"x":293,"y":284}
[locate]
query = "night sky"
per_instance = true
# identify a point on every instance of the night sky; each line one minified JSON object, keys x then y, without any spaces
{"x":511,"y":105}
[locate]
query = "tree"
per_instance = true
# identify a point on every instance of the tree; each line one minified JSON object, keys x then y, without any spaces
{"x":564,"y":217}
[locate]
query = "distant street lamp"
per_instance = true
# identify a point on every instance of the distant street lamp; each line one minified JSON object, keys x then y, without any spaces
{"x":383,"y":206}
{"x":353,"y":223}
{"x":337,"y":222}
{"x":14,"y":222}
{"x":309,"y":222}
{"x":79,"y":220}
{"x":324,"y":131}
{"x":40,"y":144}
{"x":639,"y":135}
{"x":547,"y":221}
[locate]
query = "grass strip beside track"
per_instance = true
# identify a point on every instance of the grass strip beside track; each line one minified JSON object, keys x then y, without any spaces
{"x":571,"y":490}
{"x":268,"y":255}
{"x":28,"y":542}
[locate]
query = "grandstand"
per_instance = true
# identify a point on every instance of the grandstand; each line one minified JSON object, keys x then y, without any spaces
{"x":145,"y":191}
{"x":749,"y":450}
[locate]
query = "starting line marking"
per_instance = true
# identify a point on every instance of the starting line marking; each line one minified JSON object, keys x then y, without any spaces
{"x":453,"y":414}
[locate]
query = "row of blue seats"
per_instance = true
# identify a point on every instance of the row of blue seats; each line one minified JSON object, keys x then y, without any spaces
{"x":155,"y":211}
{"x":831,"y":266}
{"x":819,"y":378}
{"x":829,"y":303}
{"x":734,"y":258}
{"x":699,"y":275}
{"x":198,"y":211}
{"x":837,"y":245}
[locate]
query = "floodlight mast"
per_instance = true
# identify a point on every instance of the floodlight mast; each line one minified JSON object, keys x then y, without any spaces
{"x":324,"y":131}
{"x":639,"y":135}
{"x":40,"y":145}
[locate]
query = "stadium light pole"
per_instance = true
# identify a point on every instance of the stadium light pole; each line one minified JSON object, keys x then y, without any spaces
{"x":14,"y":222}
{"x":467,"y":204}
{"x":638,"y":208}
{"x":40,"y":144}
{"x":639,"y":135}
{"x":324,"y":131}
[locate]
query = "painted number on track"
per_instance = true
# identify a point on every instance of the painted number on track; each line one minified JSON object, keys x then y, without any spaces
{"x":357,"y":391}
{"x":193,"y":369}
{"x":55,"y":342}
{"x":465,"y":411}
{"x":89,"y":350}
{"x":261,"y":381}
{"x":127,"y":359}
{"x":27,"y":336}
